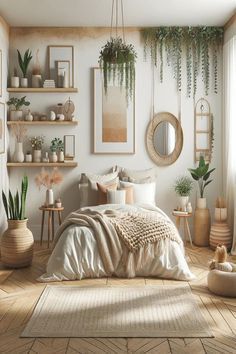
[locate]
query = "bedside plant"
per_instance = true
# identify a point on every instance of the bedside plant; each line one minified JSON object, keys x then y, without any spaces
{"x":16,"y":104}
{"x":17,"y":241}
{"x":24,"y":63}
{"x":183,"y":187}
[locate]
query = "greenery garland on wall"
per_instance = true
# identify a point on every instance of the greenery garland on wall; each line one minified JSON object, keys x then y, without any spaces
{"x":201,"y":45}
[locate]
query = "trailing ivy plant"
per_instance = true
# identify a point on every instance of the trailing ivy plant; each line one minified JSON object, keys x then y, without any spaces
{"x":117,"y":61}
{"x":200,"y":44}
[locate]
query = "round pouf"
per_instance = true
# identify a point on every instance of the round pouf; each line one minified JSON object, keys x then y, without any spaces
{"x":222,"y":283}
{"x":220,"y":234}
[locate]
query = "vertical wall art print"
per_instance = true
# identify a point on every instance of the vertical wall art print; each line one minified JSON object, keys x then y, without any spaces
{"x":114,"y":121}
{"x":0,"y":73}
{"x":2,"y":128}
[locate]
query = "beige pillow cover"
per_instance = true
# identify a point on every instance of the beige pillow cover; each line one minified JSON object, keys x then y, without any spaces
{"x":102,"y":191}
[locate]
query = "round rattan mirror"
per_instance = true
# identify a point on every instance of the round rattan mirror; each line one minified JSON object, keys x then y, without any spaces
{"x":164,"y":139}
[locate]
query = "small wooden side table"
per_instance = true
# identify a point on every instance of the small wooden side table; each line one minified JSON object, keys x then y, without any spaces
{"x":184,"y":217}
{"x":50,"y":211}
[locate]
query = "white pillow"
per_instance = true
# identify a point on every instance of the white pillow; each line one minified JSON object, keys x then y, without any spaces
{"x":116,"y":197}
{"x":143,"y":193}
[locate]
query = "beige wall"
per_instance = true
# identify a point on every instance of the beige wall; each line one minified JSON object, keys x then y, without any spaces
{"x":87,"y":43}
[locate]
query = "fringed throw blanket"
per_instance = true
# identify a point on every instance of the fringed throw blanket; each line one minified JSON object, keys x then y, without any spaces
{"x":138,"y":229}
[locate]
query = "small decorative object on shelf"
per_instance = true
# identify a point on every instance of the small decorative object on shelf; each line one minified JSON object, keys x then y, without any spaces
{"x":15,"y":80}
{"x":183,"y":187}
{"x":29,"y":116}
{"x":59,"y":111}
{"x":69,"y":109}
{"x":16,"y":104}
{"x":58,"y":203}
{"x":19,"y":132}
{"x":28,"y":157}
{"x":49,"y":84}
{"x":220,"y":231}
{"x":17,"y":241}
{"x":36,"y":72}
{"x":46,"y":158}
{"x":48,"y":180}
{"x":37,"y":144}
{"x":202,"y":219}
{"x":57,"y":146}
{"x":24,"y":63}
{"x":52,"y":115}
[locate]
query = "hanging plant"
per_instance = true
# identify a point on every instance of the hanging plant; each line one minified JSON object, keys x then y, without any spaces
{"x":117,"y":61}
{"x":200,"y":44}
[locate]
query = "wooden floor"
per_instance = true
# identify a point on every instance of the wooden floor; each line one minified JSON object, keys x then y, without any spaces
{"x":19,"y":292}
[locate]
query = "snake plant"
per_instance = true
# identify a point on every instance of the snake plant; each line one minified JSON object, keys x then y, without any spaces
{"x":24,"y":61}
{"x":15,"y":205}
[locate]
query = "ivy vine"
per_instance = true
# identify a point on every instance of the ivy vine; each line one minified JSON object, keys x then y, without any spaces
{"x":201,"y":46}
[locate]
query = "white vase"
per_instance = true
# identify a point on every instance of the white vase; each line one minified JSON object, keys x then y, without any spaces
{"x":36,"y":81}
{"x":201,"y":203}
{"x":29,"y":117}
{"x":53,"y":156}
{"x":19,"y":155}
{"x":61,"y":156}
{"x":183,"y":201}
{"x":37,"y":155}
{"x":49,"y":198}
{"x":24,"y":82}
{"x":65,"y":80}
{"x":16,"y":115}
{"x":28,"y":158}
{"x":15,"y":81}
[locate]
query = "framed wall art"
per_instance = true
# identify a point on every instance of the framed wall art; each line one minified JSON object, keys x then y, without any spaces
{"x":69,"y":147}
{"x":114,"y":120}
{"x":0,"y":73}
{"x":64,"y":53}
{"x":2,"y":128}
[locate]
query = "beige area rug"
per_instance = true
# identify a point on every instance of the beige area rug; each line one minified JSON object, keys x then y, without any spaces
{"x":150,"y":311}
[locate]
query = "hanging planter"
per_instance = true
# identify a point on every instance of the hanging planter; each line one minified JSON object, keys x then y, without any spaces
{"x":117,"y":59}
{"x":200,"y":45}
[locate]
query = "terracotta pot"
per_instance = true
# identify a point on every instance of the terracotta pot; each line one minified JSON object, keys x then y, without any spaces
{"x":17,"y":244}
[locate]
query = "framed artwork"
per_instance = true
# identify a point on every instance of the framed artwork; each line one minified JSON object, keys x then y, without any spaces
{"x":2,"y":128}
{"x":64,"y":53}
{"x":69,"y":147}
{"x":63,"y":70}
{"x":0,"y":73}
{"x":114,"y":120}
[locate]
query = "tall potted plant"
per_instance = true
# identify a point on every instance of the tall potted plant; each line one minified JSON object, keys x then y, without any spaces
{"x":24,"y":63}
{"x":17,"y":241}
{"x":202,"y":219}
{"x":16,"y":104}
{"x":183,"y":187}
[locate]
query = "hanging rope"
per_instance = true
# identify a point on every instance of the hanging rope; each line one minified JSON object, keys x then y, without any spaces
{"x":115,"y":18}
{"x":112,"y":14}
{"x":122,"y":17}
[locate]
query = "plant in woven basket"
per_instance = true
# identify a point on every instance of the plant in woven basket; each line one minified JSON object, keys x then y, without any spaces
{"x":117,"y":61}
{"x":15,"y":205}
{"x":183,"y":186}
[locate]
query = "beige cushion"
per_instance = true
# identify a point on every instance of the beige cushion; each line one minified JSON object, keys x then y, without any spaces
{"x":222,"y":283}
{"x":116,"y":196}
{"x":126,"y":174}
{"x":102,"y":191}
{"x":129,"y":194}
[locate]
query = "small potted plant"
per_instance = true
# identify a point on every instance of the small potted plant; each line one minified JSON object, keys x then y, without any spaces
{"x":183,"y":187}
{"x":201,"y":174}
{"x":24,"y":63}
{"x":37,"y":144}
{"x":48,"y":180}
{"x":57,"y":146}
{"x":15,"y":80}
{"x":16,"y":104}
{"x":17,"y":241}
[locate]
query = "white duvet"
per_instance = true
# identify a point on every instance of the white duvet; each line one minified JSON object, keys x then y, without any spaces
{"x":76,"y":256}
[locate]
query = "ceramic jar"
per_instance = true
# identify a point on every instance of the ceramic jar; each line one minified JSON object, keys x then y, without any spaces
{"x":49,"y":198}
{"x":19,"y":155}
{"x":61,"y":156}
{"x":15,"y":81}
{"x":28,"y":157}
{"x":17,"y":244}
{"x":53,"y":156}
{"x":16,"y":115}
{"x":183,"y":201}
{"x":37,"y":155}
{"x":24,"y":82}
{"x":36,"y":81}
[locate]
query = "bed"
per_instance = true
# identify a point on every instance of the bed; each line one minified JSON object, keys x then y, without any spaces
{"x":96,"y":241}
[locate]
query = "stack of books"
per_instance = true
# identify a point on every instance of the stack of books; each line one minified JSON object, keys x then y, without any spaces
{"x":179,"y":212}
{"x":49,"y":84}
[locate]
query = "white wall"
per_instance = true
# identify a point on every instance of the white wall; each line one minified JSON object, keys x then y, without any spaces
{"x":87,"y":43}
{"x":4,"y":46}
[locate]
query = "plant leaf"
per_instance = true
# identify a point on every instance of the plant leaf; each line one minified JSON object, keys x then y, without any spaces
{"x":205,"y":178}
{"x":11,"y":206}
{"x":4,"y":199}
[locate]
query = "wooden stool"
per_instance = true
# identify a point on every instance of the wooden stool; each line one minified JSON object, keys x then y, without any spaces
{"x":51,"y":211}
{"x":186,"y":225}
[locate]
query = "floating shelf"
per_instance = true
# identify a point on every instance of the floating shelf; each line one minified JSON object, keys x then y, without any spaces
{"x":42,"y":90}
{"x":42,"y":164}
{"x":38,"y":122}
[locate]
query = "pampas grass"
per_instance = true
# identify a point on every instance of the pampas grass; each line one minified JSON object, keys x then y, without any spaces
{"x":19,"y":131}
{"x":47,"y":179}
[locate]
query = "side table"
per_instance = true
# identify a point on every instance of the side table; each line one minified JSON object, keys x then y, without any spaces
{"x":184,"y":217}
{"x":50,"y":211}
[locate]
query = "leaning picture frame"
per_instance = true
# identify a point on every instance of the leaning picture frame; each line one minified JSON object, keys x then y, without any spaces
{"x":114,"y":118}
{"x":60,"y":53}
{"x":2,"y":128}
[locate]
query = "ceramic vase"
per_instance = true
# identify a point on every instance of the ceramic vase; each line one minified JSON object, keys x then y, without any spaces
{"x":24,"y":82}
{"x":28,"y":158}
{"x":29,"y":117}
{"x":61,"y":156}
{"x":16,"y":115}
{"x":37,"y":155}
{"x":36,"y":81}
{"x":19,"y":155}
{"x":17,"y":244}
{"x":49,"y":198}
{"x":183,"y":201}
{"x":53,"y":156}
{"x":201,"y":203}
{"x":65,"y":80}
{"x":15,"y":81}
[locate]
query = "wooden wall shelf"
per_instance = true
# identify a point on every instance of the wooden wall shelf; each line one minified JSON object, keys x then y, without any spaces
{"x":42,"y":164}
{"x":42,"y":90}
{"x":38,"y":122}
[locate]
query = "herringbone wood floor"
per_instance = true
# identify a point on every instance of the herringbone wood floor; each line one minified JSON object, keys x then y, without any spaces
{"x":19,"y":292}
